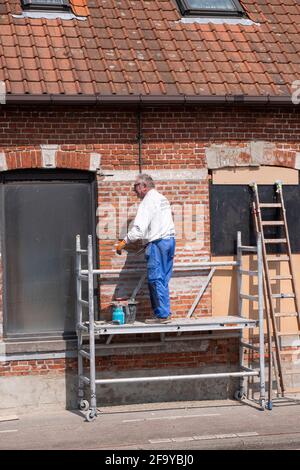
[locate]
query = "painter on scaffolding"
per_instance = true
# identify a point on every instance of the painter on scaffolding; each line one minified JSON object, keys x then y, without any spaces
{"x":154,"y":224}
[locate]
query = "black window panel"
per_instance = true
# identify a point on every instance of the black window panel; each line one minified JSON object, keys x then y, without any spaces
{"x":46,"y":4}
{"x":211,"y":8}
{"x":40,"y":220}
{"x":230,"y":212}
{"x":46,"y":175}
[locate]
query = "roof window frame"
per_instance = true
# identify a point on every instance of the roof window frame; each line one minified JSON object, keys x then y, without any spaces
{"x":187,"y":11}
{"x":42,"y":5}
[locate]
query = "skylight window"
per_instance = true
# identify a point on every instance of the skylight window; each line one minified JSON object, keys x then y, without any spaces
{"x":227,"y":8}
{"x":51,"y":5}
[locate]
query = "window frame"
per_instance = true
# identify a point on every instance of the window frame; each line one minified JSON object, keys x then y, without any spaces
{"x":186,"y":10}
{"x":42,"y":5}
{"x":46,"y":176}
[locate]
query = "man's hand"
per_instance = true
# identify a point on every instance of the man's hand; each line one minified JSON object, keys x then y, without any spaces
{"x":120,"y":246}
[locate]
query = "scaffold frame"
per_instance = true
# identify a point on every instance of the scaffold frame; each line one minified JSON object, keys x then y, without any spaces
{"x":93,"y":328}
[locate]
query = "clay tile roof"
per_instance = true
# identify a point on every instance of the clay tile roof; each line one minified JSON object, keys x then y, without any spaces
{"x":79,"y":7}
{"x":143,"y":48}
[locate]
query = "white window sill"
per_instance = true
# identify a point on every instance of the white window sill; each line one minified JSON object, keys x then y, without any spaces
{"x":50,"y":15}
{"x":215,"y":20}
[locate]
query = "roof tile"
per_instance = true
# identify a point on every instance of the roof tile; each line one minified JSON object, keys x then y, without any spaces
{"x":79,"y":7}
{"x":141,"y":47}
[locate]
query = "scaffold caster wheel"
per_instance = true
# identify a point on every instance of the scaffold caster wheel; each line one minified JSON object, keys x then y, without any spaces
{"x":269,"y":405}
{"x":84,"y":405}
{"x":91,"y":416}
{"x":238,"y":395}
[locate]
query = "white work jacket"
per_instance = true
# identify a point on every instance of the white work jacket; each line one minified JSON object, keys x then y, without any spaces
{"x":153,"y":220}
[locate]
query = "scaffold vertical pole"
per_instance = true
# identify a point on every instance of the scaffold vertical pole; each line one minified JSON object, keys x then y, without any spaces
{"x":241,"y":391}
{"x":261,"y":322}
{"x":79,"y":319}
{"x":93,"y":404}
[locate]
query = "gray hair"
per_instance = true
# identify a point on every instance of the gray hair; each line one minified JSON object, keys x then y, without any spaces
{"x":146,"y":179}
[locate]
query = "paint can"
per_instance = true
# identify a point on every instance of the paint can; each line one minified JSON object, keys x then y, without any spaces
{"x":130,"y":311}
{"x":129,"y":307}
{"x":118,"y":316}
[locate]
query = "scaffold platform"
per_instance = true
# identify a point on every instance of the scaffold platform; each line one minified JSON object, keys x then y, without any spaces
{"x":176,"y":325}
{"x":87,"y":335}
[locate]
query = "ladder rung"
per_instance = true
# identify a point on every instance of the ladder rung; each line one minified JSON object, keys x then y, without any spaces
{"x":290,"y":333}
{"x":84,"y":303}
{"x":292,"y":390}
{"x":249,"y":297}
{"x":272,"y":204}
{"x":281,"y":278}
{"x":84,"y":379}
{"x":286,"y":314}
{"x":275,"y":240}
{"x":272,"y":222}
{"x":84,"y":354}
{"x":83,"y":252}
{"x":248,"y":248}
{"x":278,"y":258}
{"x":286,"y":352}
{"x":249,"y":346}
{"x":283,"y":296}
{"x":290,"y":371}
{"x":82,"y":327}
{"x":249,"y":273}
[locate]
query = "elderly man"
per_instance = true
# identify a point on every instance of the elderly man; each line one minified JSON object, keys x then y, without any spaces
{"x":154,"y":223}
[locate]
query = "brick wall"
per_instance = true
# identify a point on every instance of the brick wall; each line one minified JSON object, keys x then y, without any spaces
{"x":218,"y":351}
{"x":36,"y":367}
{"x":173,"y":138}
{"x":186,"y":197}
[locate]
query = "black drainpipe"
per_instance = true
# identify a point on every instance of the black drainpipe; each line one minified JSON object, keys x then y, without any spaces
{"x":139,"y":138}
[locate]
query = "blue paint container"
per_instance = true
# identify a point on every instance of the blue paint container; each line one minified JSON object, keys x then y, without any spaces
{"x":118,"y":315}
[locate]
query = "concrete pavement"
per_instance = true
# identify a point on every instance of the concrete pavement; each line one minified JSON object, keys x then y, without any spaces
{"x":176,"y":425}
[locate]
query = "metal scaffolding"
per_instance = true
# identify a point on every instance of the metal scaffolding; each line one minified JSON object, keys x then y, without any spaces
{"x":92,"y":328}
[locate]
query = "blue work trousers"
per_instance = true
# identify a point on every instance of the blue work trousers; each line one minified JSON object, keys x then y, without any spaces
{"x":159,"y":256}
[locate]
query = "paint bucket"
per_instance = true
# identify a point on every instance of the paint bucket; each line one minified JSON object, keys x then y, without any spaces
{"x":129,"y":307}
{"x":118,"y":316}
{"x":130,"y":311}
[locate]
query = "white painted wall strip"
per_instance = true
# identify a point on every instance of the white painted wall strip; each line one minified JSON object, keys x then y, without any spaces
{"x":49,"y":155}
{"x":157,"y":175}
{"x":3,"y":163}
{"x":95,"y":161}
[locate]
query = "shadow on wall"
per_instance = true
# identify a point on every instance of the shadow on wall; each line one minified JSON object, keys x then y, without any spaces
{"x":127,"y":282}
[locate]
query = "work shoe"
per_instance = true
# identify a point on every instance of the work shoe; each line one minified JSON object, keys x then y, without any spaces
{"x":158,"y":320}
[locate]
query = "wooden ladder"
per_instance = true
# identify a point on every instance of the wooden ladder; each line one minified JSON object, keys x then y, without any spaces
{"x":275,"y":299}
